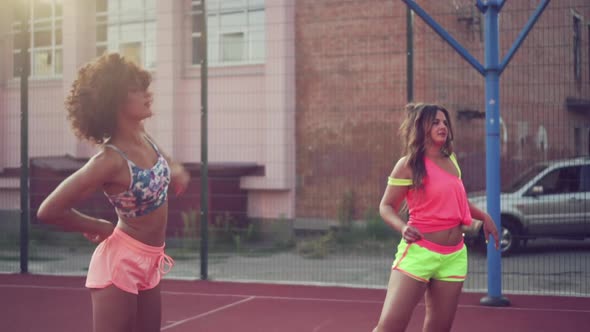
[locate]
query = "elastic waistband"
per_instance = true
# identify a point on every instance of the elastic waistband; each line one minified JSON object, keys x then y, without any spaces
{"x":438,"y":248}
{"x":136,"y":244}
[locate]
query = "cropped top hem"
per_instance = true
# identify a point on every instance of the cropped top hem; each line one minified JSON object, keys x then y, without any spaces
{"x":430,"y":227}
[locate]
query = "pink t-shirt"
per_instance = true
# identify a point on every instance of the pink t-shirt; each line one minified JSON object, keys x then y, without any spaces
{"x":440,"y":204}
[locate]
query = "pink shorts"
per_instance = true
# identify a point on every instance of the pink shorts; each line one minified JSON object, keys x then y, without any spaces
{"x":127,"y":263}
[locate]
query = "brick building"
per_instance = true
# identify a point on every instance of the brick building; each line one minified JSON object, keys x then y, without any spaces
{"x":352,"y":82}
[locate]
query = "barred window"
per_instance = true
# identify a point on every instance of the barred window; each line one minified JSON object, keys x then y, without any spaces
{"x":45,"y":41}
{"x":127,"y":27}
{"x":577,"y":42}
{"x":235,"y":31}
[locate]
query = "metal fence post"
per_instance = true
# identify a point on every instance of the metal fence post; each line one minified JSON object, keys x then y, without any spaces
{"x":492,"y":107}
{"x":24,"y":68}
{"x":204,"y":149}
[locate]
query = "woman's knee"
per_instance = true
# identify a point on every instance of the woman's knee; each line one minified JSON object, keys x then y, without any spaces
{"x":122,"y":322}
{"x":437,"y":321}
{"x":392,"y":324}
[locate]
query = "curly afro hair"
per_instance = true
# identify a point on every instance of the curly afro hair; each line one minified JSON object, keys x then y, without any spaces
{"x":99,"y":91}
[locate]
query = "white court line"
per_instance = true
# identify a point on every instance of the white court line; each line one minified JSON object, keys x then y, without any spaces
{"x":180,"y":322}
{"x":322,"y":325}
{"x":45,"y":287}
{"x":287,"y":298}
{"x":473,"y":306}
{"x":270,"y":297}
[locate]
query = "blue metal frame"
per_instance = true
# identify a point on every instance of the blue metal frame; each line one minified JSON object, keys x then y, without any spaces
{"x":446,"y":36}
{"x":492,"y":101}
{"x":480,"y":6}
{"x":491,"y":71}
{"x":523,"y":34}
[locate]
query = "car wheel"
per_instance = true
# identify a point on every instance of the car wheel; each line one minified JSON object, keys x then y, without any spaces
{"x":509,"y":238}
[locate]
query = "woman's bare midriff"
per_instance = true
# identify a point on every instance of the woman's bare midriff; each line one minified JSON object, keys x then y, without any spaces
{"x":149,"y":229}
{"x":448,"y":237}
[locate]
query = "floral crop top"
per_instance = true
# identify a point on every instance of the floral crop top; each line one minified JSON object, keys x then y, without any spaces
{"x":148,"y":188}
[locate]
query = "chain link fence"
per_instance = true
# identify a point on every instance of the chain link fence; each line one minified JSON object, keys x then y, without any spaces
{"x":304,"y":104}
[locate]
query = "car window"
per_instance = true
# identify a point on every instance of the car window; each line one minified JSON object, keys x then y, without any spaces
{"x":524,"y":178}
{"x":561,"y":181}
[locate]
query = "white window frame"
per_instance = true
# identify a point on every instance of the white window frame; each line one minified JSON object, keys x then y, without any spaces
{"x":246,"y":30}
{"x":577,"y":43}
{"x":103,"y":19}
{"x":32,"y":22}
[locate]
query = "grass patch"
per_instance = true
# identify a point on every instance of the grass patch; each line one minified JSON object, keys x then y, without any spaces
{"x":318,"y":247}
{"x":367,"y":236}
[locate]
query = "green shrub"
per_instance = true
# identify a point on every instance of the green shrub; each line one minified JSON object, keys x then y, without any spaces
{"x":317,"y":248}
{"x":346,"y":209}
{"x":376,"y":228}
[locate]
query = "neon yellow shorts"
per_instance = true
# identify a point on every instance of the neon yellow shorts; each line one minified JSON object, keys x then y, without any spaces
{"x":424,"y":260}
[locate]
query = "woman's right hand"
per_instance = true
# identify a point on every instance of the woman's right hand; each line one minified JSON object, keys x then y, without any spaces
{"x":104,"y":230}
{"x":411,"y":234}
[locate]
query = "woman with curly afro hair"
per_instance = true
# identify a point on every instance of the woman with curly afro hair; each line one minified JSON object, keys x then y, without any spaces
{"x":107,"y":105}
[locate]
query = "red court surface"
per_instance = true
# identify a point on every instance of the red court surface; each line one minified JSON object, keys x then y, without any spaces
{"x":47,"y":303}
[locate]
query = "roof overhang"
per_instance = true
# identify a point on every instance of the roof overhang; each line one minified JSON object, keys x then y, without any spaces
{"x":577,"y":104}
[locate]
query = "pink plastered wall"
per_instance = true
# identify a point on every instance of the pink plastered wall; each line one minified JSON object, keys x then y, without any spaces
{"x":251,"y":107}
{"x":47,"y":132}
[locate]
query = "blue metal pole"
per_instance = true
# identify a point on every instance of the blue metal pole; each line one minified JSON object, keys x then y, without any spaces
{"x":492,"y":92}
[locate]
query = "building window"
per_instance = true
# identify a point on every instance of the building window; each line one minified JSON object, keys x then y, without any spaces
{"x":577,"y":47}
{"x":45,"y":40}
{"x":235,"y":31}
{"x":127,"y":27}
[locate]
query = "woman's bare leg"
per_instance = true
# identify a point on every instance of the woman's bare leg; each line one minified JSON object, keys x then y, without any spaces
{"x":149,"y":310}
{"x":403,"y":294}
{"x":442,"y":299}
{"x":113,"y":310}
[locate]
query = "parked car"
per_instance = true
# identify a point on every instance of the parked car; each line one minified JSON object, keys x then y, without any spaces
{"x":549,"y":200}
